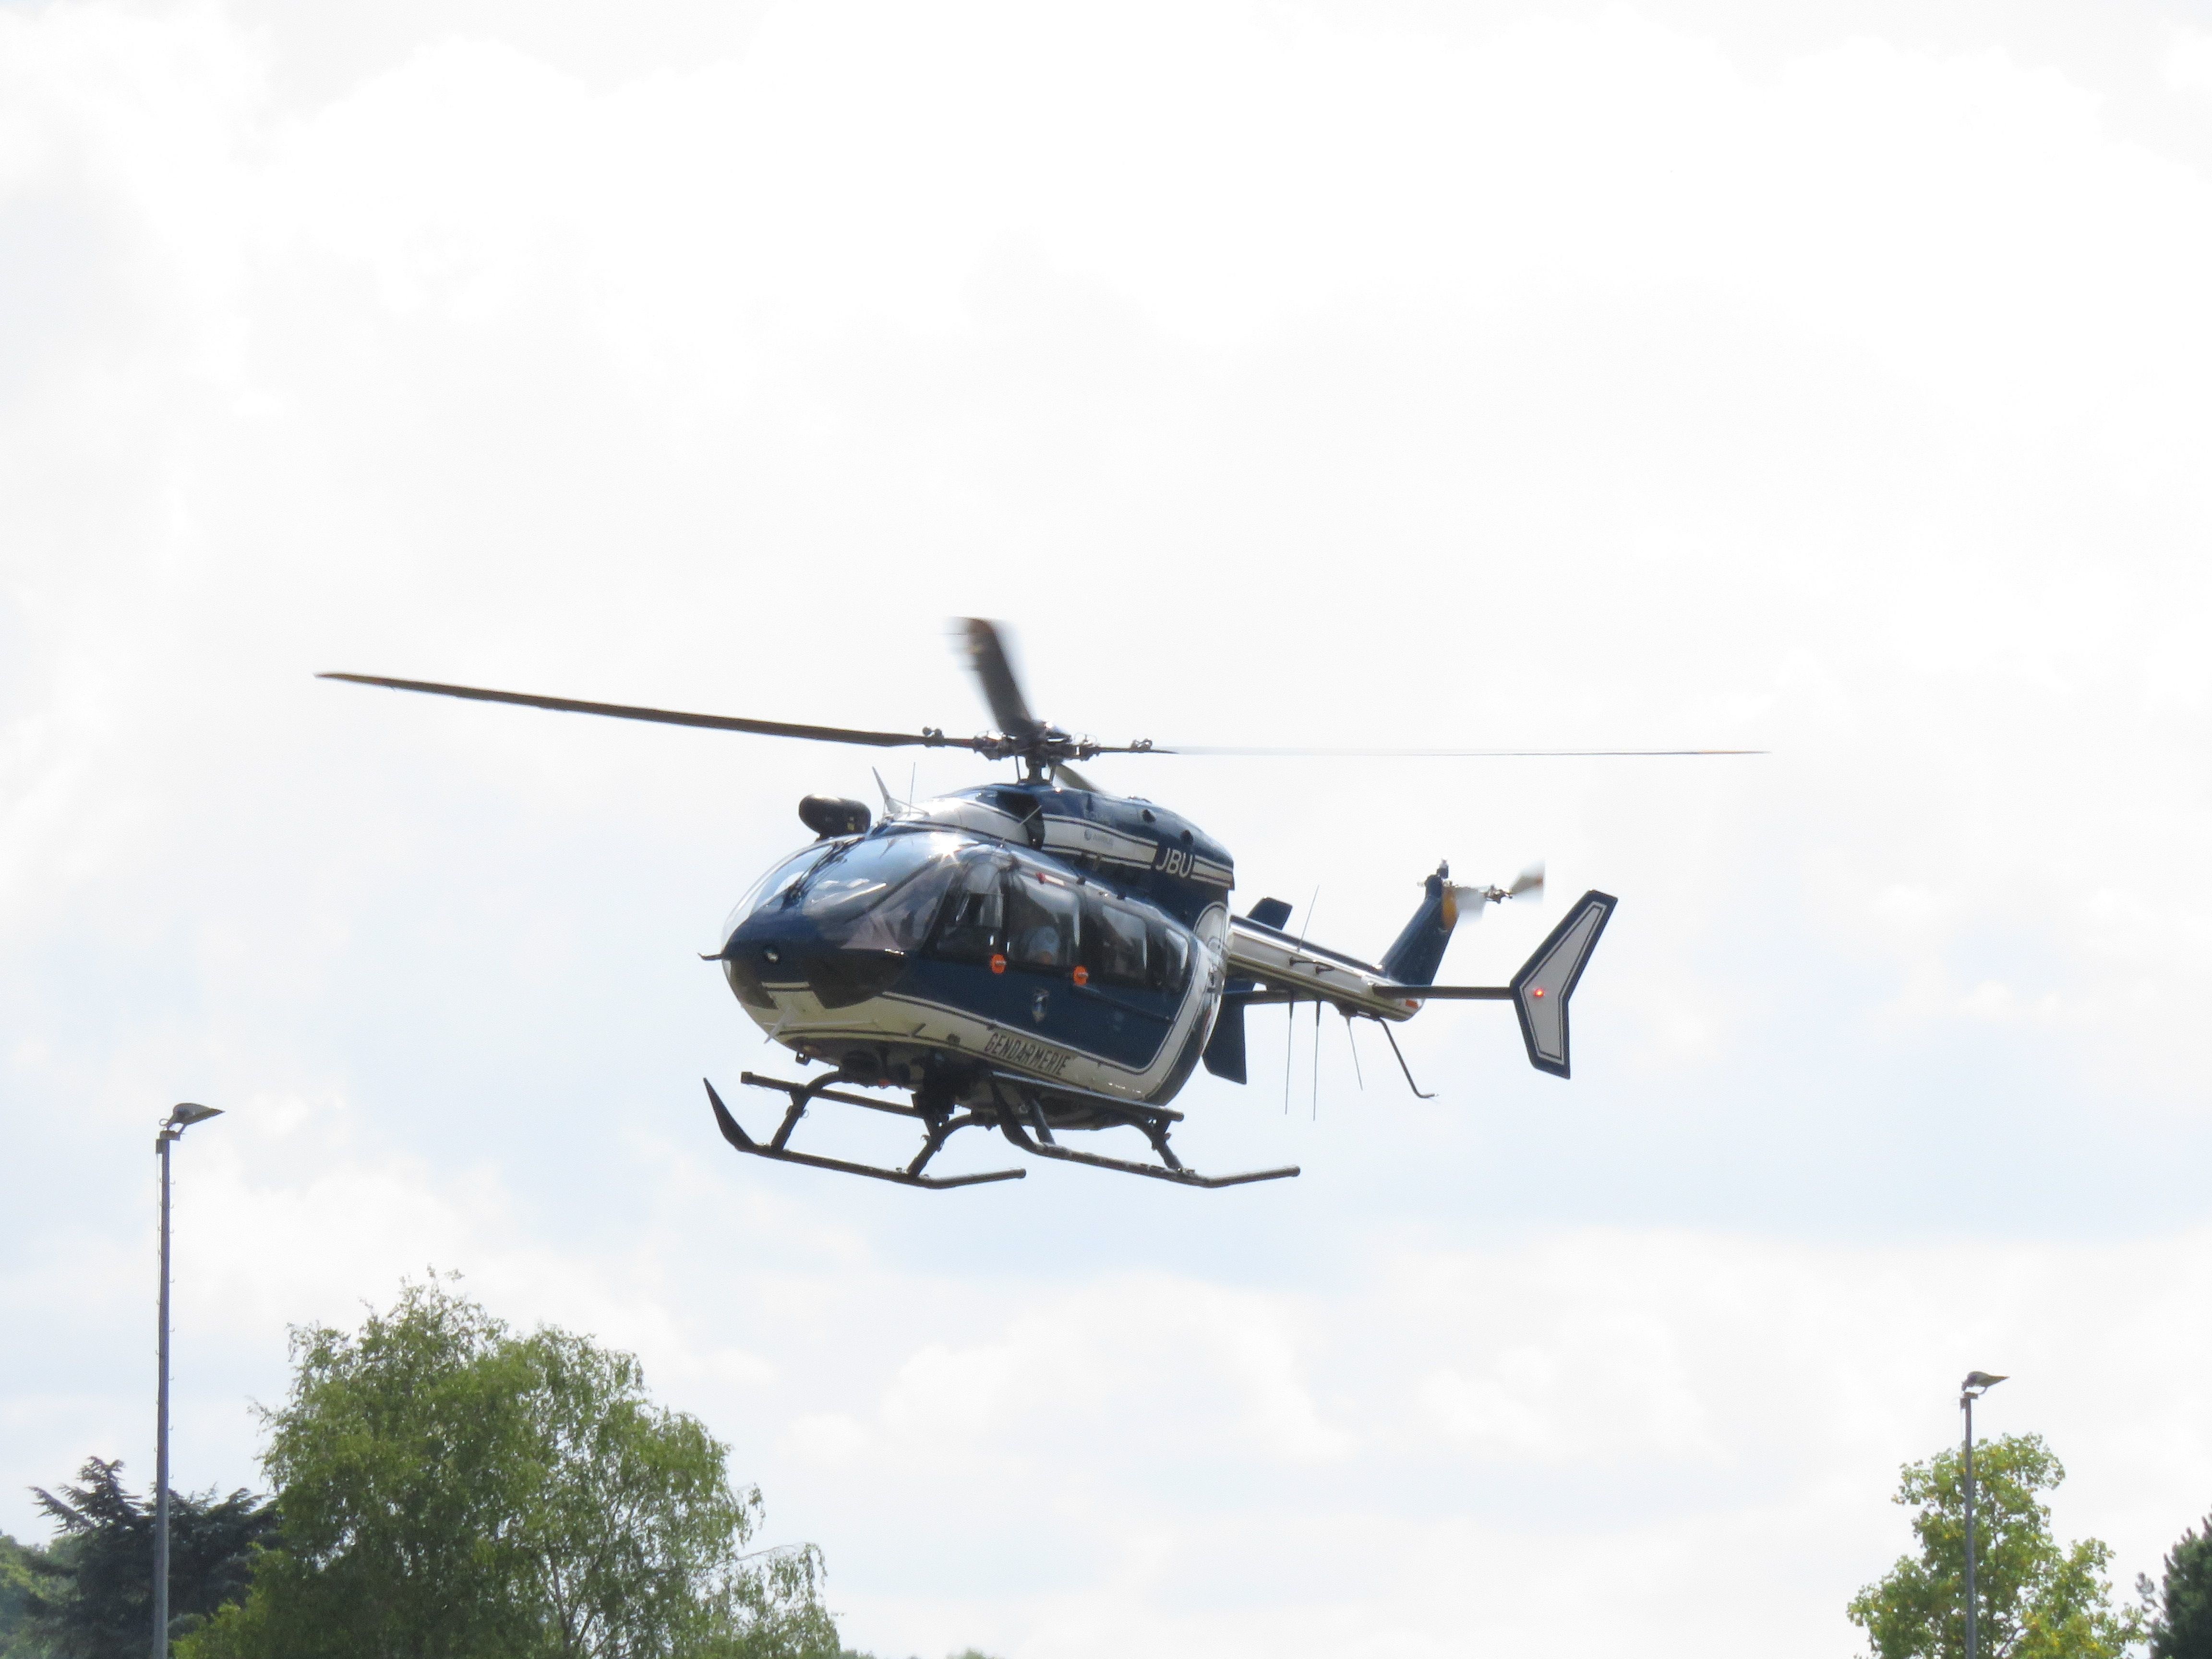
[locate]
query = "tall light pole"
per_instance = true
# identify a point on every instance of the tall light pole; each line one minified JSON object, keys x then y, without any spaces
{"x":1977,"y":1384}
{"x":181,"y":1119}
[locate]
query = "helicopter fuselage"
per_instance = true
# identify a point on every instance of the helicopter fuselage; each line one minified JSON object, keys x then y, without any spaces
{"x":1073,"y":937}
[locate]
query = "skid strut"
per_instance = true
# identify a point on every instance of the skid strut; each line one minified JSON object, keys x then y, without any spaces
{"x":803,"y":1094}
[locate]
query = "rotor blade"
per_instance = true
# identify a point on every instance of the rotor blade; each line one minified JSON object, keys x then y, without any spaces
{"x":1435,"y":754}
{"x":1063,"y":772}
{"x":1529,"y":881}
{"x":987,"y":656}
{"x":670,"y":716}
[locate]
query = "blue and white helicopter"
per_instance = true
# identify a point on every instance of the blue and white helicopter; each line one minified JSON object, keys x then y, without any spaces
{"x":1041,"y":956}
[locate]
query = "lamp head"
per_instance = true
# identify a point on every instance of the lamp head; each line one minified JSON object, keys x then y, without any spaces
{"x":187,"y":1113}
{"x":1978,"y":1383}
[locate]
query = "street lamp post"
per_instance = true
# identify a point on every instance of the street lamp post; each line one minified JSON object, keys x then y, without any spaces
{"x":1977,"y":1384}
{"x":181,"y":1119}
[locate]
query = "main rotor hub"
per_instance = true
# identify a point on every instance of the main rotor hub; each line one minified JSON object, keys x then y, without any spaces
{"x":1040,"y":751}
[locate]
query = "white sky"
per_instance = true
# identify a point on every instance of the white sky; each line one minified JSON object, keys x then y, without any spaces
{"x":1826,"y":379}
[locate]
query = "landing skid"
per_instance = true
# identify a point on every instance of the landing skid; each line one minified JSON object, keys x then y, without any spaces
{"x":803,"y":1094}
{"x":1016,"y":1109}
{"x":1153,"y":1121}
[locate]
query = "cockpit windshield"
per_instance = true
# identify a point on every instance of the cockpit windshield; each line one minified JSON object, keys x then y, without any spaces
{"x":880,"y":893}
{"x":864,"y":872}
{"x":780,"y":880}
{"x":946,"y":896}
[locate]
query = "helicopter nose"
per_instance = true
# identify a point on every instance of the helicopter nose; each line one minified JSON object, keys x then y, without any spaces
{"x":763,"y":955}
{"x":759,"y":962}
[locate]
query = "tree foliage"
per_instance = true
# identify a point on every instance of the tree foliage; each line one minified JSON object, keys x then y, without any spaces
{"x":91,"y":1595}
{"x":18,"y":1581}
{"x":2037,"y":1598}
{"x":453,"y":1491}
{"x":2182,"y":1626}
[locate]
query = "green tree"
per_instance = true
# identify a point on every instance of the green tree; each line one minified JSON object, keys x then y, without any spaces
{"x":2037,"y":1598}
{"x":2182,"y":1626}
{"x":18,"y":1582}
{"x":449,"y":1488}
{"x":90,"y":1595}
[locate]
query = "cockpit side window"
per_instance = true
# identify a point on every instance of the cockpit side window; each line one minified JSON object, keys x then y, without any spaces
{"x":971,"y":927}
{"x":1041,"y":921}
{"x":999,"y":907}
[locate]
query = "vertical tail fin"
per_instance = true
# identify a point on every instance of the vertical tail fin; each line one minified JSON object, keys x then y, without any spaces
{"x":1548,"y":979}
{"x":1224,"y":1049}
{"x":1419,"y":951}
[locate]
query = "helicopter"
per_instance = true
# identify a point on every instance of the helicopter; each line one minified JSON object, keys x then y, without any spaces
{"x":1044,"y":957}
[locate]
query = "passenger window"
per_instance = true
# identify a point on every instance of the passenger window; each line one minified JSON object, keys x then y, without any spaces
{"x":1114,"y":943}
{"x":1170,"y":962}
{"x":1041,"y":922}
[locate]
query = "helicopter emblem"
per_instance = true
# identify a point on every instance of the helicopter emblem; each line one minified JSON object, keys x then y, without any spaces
{"x":1041,"y":956}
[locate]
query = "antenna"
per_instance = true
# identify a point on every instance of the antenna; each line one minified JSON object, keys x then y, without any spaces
{"x":1317,"y":1066}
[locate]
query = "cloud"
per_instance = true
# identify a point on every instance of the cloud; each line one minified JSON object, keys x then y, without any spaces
{"x":2189,"y":61}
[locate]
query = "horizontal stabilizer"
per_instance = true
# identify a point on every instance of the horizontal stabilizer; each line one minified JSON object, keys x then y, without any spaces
{"x":1548,"y":978}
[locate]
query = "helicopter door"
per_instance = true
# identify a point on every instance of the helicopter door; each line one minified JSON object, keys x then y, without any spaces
{"x":1136,"y":967}
{"x":1021,"y":918}
{"x":1114,"y":941}
{"x":972,"y":927}
{"x":1127,"y":949}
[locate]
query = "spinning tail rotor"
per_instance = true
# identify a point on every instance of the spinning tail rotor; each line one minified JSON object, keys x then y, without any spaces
{"x":1528,"y":884}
